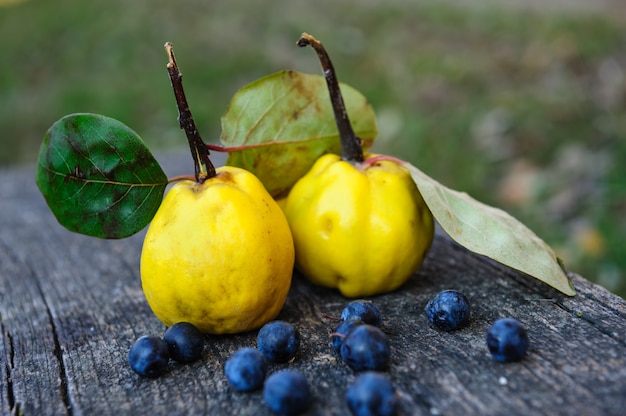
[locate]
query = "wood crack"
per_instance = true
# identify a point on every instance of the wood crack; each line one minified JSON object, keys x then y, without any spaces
{"x":8,"y":368}
{"x":58,"y":354}
{"x":593,"y":322}
{"x":15,"y":407}
{"x":596,"y":299}
{"x":9,"y":365}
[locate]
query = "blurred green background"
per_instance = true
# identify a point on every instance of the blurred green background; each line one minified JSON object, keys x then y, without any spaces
{"x":522,"y":104}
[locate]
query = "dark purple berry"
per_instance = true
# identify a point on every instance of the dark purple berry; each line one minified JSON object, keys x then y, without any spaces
{"x":372,"y":394}
{"x":366,"y":347}
{"x":278,"y":341}
{"x":362,"y":310}
{"x":449,"y":310}
{"x":149,"y":356}
{"x":286,"y":393}
{"x":341,"y":331}
{"x":185,"y":342}
{"x":507,"y":340}
{"x":246,"y":369}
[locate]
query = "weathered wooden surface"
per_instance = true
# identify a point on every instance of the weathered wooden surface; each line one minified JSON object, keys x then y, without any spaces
{"x":71,"y":306}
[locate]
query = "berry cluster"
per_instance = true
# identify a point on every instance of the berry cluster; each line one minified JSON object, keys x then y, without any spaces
{"x":285,"y":392}
{"x":358,"y":339}
{"x":507,"y":339}
{"x":149,"y":356}
{"x":364,"y":347}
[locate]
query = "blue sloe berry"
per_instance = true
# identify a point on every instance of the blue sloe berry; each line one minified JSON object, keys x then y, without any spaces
{"x":286,"y":392}
{"x":149,"y":356}
{"x":448,"y":310}
{"x":362,"y":310}
{"x":507,"y":340}
{"x":246,"y":369}
{"x":372,"y":394}
{"x":341,"y":331}
{"x":278,"y":341}
{"x":366,"y":347}
{"x":185,"y":342}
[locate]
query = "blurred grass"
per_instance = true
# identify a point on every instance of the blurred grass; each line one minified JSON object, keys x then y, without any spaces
{"x":524,"y":109}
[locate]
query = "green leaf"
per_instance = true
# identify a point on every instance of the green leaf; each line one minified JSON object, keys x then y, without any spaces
{"x":98,"y":177}
{"x":283,"y":122}
{"x":491,"y":232}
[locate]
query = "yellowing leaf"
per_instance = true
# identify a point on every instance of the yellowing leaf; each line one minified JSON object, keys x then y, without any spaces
{"x":491,"y":232}
{"x":280,"y":124}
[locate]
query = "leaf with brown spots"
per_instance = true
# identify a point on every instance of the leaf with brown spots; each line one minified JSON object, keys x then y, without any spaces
{"x":280,"y":124}
{"x":98,"y":177}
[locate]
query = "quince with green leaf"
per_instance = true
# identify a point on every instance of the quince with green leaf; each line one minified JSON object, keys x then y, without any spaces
{"x":359,"y":222}
{"x":218,"y":253}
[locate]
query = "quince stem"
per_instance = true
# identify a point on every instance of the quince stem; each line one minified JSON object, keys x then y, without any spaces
{"x":204,"y":169}
{"x":351,"y":148}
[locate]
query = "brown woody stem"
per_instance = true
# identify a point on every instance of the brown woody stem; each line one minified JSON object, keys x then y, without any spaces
{"x":204,"y":169}
{"x":351,"y":149}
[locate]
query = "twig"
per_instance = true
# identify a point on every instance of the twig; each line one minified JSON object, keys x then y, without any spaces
{"x":351,"y":148}
{"x":204,"y":169}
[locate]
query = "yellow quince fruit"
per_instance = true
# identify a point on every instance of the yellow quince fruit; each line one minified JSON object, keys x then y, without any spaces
{"x":218,"y":254}
{"x":358,"y":221}
{"x":360,"y":227}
